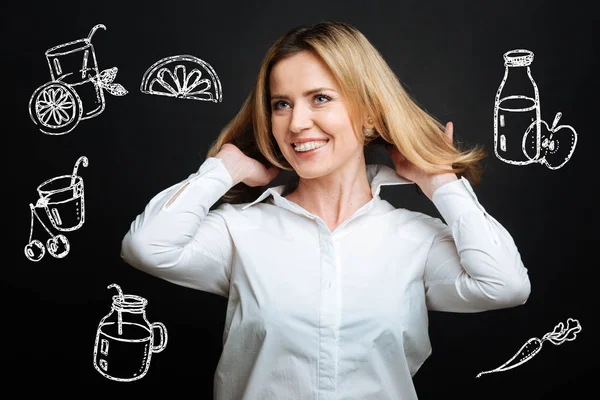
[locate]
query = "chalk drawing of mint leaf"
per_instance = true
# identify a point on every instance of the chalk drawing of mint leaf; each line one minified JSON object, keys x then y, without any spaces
{"x":559,"y":335}
{"x":115,"y":89}
{"x":105,"y":80}
{"x":108,"y":75}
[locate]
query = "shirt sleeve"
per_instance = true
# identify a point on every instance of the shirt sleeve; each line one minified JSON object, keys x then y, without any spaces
{"x":473,"y":264}
{"x":183,"y":242}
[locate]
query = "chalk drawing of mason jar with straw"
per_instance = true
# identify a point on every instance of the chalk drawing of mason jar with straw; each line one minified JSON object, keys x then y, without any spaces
{"x":62,"y":198}
{"x":76,"y":91}
{"x":125,"y":340}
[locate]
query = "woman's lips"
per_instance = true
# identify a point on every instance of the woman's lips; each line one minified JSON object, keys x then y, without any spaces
{"x":305,"y":154}
{"x":308,"y":141}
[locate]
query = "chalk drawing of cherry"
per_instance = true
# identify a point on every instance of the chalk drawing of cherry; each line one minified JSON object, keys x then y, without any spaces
{"x":58,"y":246}
{"x":557,"y":142}
{"x":35,"y":250}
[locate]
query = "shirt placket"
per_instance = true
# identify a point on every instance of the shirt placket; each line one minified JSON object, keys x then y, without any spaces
{"x":328,"y":316}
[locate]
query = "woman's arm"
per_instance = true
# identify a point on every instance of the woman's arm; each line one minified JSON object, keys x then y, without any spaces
{"x":177,"y":239}
{"x":473,"y":264}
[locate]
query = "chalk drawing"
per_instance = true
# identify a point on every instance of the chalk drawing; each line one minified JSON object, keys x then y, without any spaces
{"x":521,"y":137}
{"x":76,"y":89}
{"x":559,"y":335}
{"x":125,"y":339}
{"x":62,"y":198}
{"x":170,"y":77}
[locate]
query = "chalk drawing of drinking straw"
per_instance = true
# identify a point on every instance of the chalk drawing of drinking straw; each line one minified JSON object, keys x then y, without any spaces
{"x":76,"y":91}
{"x":558,"y":336}
{"x":62,"y":198}
{"x":521,"y":137}
{"x":170,"y":77}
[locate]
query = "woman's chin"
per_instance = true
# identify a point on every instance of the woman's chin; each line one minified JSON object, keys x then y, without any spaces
{"x":311,"y":171}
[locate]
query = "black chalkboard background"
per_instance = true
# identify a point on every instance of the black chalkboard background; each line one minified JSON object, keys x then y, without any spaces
{"x":449,"y":56}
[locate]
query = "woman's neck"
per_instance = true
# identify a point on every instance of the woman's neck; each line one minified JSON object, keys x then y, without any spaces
{"x":334,"y":197}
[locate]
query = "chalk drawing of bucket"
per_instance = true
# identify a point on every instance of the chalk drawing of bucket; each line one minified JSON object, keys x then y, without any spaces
{"x":62,"y":198}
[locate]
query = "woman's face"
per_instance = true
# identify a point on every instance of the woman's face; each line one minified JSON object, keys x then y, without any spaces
{"x":306,"y":103}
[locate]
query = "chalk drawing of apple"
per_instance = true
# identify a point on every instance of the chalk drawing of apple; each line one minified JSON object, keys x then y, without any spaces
{"x":557,"y":142}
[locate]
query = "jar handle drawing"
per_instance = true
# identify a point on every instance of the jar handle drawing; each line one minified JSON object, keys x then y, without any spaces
{"x":163,"y":337}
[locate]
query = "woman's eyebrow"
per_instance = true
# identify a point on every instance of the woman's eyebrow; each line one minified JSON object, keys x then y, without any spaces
{"x":307,"y":93}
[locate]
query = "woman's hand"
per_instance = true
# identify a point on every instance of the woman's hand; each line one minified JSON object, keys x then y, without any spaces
{"x":427,"y":182}
{"x":245,"y":169}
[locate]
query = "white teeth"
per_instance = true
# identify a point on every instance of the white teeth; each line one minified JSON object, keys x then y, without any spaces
{"x":310,"y":145}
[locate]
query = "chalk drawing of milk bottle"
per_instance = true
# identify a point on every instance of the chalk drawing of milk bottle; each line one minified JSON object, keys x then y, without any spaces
{"x":517,"y":108}
{"x":125,"y":339}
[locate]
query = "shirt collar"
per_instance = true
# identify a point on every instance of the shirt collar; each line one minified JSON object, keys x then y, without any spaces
{"x":377,"y":174}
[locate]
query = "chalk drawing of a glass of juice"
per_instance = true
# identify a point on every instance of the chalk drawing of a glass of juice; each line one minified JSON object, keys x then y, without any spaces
{"x":517,"y":111}
{"x":76,"y":89}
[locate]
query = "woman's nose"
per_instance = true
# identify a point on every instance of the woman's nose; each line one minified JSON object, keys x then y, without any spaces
{"x":301,"y":119}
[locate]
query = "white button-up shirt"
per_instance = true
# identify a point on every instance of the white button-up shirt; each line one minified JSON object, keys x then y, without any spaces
{"x":321,"y":315}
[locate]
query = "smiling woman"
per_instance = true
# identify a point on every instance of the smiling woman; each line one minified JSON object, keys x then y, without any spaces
{"x":328,"y":285}
{"x":335,"y":56}
{"x":312,"y":126}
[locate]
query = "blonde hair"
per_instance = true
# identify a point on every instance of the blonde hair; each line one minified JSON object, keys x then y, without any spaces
{"x":370,"y":88}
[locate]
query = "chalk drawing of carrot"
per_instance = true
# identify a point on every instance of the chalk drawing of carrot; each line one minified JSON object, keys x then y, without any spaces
{"x":559,"y":335}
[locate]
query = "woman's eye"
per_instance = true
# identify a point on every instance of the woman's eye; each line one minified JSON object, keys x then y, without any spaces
{"x":317,"y":98}
{"x":276,"y":105}
{"x":327,"y":98}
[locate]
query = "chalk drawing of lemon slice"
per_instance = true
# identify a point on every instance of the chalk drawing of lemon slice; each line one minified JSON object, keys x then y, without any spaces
{"x":56,"y":108}
{"x":182,"y":77}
